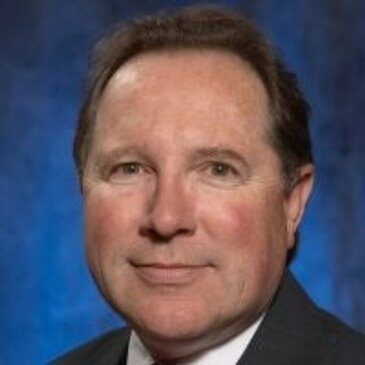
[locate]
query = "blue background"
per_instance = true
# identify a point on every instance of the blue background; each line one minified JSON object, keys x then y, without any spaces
{"x":48,"y":303}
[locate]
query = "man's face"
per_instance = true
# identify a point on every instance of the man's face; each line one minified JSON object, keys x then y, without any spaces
{"x":187,"y":221}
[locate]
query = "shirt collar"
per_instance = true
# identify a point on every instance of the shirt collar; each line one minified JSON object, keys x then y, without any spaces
{"x":227,"y":353}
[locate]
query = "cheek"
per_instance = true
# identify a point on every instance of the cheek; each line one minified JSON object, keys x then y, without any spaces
{"x":232,"y":222}
{"x":246,"y":234}
{"x":110,"y":224}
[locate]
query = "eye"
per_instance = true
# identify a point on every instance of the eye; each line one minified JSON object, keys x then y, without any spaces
{"x":222,"y":174}
{"x":222,"y":169}
{"x":128,"y":168}
{"x":127,"y":172}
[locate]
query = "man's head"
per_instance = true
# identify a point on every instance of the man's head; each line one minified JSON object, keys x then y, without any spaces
{"x":204,"y":28}
{"x":195,"y":164}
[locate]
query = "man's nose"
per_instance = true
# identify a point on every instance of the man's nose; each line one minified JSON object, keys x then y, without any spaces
{"x":170,"y":211}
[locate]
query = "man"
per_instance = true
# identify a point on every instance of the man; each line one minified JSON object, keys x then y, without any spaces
{"x":195,"y":165}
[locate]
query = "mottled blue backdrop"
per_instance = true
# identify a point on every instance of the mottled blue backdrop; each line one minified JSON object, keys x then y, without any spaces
{"x":48,"y":303}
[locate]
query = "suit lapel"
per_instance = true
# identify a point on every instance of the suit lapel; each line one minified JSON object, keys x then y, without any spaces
{"x":289,"y":333}
{"x":124,"y":348}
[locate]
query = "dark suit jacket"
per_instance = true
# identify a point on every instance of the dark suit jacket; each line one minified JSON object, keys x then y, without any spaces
{"x":293,"y":332}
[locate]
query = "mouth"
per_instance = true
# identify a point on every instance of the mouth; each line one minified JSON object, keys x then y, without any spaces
{"x":168,"y":274}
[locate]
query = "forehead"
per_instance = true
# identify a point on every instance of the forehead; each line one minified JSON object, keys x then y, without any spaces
{"x":194,"y":84}
{"x":211,"y":67}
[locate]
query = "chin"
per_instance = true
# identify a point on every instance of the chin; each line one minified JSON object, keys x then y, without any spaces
{"x":171,"y":339}
{"x":172,"y":319}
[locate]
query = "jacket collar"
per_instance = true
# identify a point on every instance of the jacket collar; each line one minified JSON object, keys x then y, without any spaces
{"x":289,"y":332}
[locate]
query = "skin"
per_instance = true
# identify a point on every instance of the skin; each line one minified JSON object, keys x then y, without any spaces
{"x":187,"y":220}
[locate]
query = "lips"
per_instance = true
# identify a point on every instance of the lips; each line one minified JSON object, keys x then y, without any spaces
{"x":168,"y":274}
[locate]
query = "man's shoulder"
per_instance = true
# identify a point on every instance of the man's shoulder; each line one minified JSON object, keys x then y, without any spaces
{"x":331,"y":339}
{"x":336,"y":341}
{"x":106,"y":349}
{"x":343,"y":344}
{"x":296,"y":331}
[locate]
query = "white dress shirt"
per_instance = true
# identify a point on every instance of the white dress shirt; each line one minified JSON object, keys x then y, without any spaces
{"x":227,"y":353}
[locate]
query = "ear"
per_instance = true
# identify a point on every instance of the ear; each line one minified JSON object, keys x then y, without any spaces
{"x":297,"y":199}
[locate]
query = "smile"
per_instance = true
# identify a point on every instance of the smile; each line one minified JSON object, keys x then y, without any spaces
{"x":174,"y":274}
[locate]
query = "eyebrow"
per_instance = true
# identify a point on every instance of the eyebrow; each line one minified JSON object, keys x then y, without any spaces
{"x":219,"y":152}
